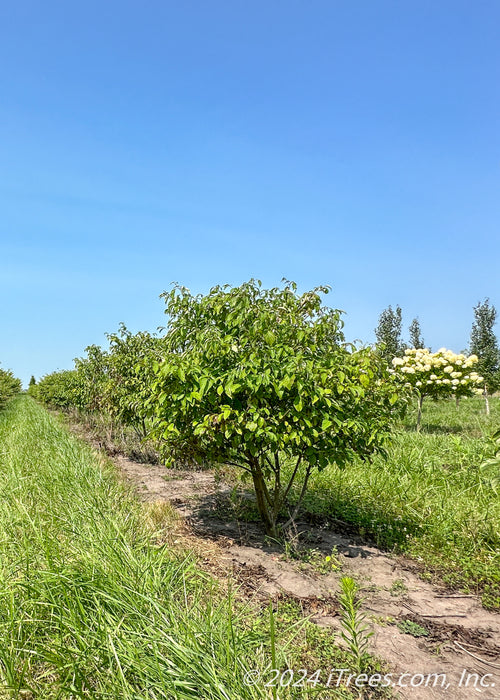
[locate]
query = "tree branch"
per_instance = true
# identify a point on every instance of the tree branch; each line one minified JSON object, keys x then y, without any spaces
{"x":292,"y":478}
{"x":302,"y":493}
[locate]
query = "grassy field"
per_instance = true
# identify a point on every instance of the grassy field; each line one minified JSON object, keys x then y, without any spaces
{"x":430,"y":499}
{"x":94,"y":602}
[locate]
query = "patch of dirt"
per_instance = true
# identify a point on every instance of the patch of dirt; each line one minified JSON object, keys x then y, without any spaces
{"x":462,"y":637}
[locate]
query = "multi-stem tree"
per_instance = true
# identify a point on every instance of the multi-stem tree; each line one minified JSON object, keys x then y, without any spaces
{"x":263,"y":380}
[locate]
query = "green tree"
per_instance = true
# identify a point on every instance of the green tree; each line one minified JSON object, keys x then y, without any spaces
{"x":484,"y":344}
{"x":93,"y":378}
{"x":261,"y":379}
{"x":416,"y":339}
{"x":32,"y":381}
{"x":388,"y":333}
{"x":60,"y":390}
{"x":130,"y":374}
{"x":9,"y":385}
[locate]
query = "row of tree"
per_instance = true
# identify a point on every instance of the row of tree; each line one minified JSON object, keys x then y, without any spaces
{"x":9,"y":386}
{"x":483,"y":341}
{"x":262,"y":379}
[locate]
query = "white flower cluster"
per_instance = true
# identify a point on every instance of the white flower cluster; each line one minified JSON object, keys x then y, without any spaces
{"x":441,"y":373}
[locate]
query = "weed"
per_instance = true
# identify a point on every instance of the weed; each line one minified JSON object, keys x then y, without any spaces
{"x":413,"y":628}
{"x":354,"y":631}
{"x":398,"y":588}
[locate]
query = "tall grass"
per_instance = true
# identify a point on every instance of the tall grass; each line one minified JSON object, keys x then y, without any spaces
{"x":430,"y":499}
{"x":89,"y":607}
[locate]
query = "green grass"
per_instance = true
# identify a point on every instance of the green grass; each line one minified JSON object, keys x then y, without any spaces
{"x":430,"y":499}
{"x":92,"y":605}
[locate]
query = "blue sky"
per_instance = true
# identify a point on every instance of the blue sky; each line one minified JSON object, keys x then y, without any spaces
{"x":355,"y":144}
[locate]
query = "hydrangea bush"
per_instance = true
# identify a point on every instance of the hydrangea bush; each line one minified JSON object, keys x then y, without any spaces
{"x":441,"y":374}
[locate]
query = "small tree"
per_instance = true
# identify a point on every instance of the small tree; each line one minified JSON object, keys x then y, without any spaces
{"x":484,"y":344}
{"x":441,"y":374}
{"x":416,"y":339}
{"x":61,"y":390}
{"x":32,"y":381}
{"x":388,"y":333}
{"x":260,"y":378}
{"x":129,"y":367}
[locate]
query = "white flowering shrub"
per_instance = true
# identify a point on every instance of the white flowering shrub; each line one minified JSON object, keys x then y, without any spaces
{"x":439,"y":374}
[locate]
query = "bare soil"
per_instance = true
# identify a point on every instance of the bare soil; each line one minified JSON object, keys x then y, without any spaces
{"x":461,"y":638}
{"x":461,"y":634}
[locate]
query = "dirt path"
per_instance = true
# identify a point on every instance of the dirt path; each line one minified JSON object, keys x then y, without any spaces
{"x":462,"y":636}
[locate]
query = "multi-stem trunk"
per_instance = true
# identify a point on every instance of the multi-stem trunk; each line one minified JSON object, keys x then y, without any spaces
{"x":269,"y":518}
{"x":271,"y":499}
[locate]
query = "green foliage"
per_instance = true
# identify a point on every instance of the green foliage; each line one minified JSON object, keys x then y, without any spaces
{"x":354,"y":630}
{"x":91,"y":605}
{"x":97,"y":600}
{"x":490,"y":468}
{"x":438,"y":374}
{"x":412,"y":628}
{"x":256,"y":377}
{"x":60,"y":390}
{"x":484,"y":344}
{"x":113,"y":382}
{"x":416,"y":339}
{"x":130,"y":372}
{"x":9,"y":386}
{"x":430,"y":499}
{"x":388,"y":333}
{"x":92,"y":372}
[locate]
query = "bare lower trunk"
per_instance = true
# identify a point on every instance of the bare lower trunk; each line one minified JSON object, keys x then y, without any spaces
{"x":272,"y":499}
{"x":457,"y":401}
{"x":487,"y":401}
{"x":268,"y":517}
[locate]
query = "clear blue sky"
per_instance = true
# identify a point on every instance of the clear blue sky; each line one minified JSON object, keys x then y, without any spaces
{"x":355,"y":144}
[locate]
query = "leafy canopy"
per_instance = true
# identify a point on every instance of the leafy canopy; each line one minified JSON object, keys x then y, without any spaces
{"x":253,"y":377}
{"x":9,"y":385}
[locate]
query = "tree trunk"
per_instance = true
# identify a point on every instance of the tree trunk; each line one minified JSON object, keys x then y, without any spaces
{"x":268,"y":517}
{"x":457,"y":401}
{"x":487,"y":401}
{"x":419,"y":412}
